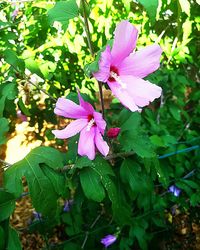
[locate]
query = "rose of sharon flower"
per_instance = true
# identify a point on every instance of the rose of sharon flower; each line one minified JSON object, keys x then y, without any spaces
{"x":89,"y":123}
{"x":108,"y":240}
{"x":124,"y":69}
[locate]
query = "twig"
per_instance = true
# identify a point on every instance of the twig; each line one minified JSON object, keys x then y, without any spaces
{"x":6,"y":164}
{"x":87,"y":233}
{"x":41,"y":89}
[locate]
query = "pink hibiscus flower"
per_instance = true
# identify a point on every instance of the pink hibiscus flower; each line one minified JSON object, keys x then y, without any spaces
{"x":89,"y":123}
{"x":124,"y":69}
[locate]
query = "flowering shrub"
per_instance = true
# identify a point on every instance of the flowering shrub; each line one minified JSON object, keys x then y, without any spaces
{"x":130,"y":157}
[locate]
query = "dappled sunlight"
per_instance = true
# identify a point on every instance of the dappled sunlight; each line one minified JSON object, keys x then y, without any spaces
{"x":17,"y":146}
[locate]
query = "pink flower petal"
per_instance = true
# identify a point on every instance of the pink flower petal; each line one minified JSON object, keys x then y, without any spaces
{"x":124,"y":42}
{"x":86,"y":144}
{"x":100,"y":143}
{"x":142,"y":62}
{"x":72,"y":129}
{"x":69,"y":109}
{"x":104,"y":66}
{"x":100,"y":122}
{"x":86,"y":105}
{"x":123,"y":95}
{"x":142,"y":92}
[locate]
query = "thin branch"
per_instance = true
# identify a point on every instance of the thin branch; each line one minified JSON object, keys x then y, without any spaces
{"x":92,"y":225}
{"x":87,"y":29}
{"x":41,"y":89}
{"x":6,"y":164}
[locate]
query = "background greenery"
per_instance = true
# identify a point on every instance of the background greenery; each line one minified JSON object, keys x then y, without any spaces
{"x":45,"y":47}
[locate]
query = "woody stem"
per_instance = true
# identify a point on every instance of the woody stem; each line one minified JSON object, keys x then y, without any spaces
{"x":87,"y":29}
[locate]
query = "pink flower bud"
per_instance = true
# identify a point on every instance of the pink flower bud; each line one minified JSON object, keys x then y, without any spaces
{"x":113,"y":132}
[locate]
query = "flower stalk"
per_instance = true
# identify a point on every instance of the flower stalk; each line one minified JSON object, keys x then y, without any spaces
{"x":87,"y":30}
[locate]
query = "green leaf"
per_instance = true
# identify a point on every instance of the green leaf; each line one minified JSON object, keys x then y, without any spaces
{"x":91,"y":184}
{"x":33,"y":66}
{"x":73,"y":221}
{"x":2,"y":239}
{"x":13,"y":240}
{"x":93,"y":176}
{"x":99,"y":165}
{"x":71,"y":246}
{"x":121,"y":210}
{"x":2,"y":105}
{"x":4,"y":128}
{"x":42,"y":191}
{"x":57,"y":180}
{"x":157,"y":140}
{"x":140,"y":234}
{"x":10,"y":91}
{"x":12,"y":59}
{"x":63,"y":11}
{"x":23,"y":108}
{"x":133,"y":138}
{"x":132,"y":122}
{"x":129,"y":173}
{"x":7,"y":204}
{"x":175,"y":111}
{"x":94,"y":66}
{"x":138,"y":142}
{"x":151,"y":8}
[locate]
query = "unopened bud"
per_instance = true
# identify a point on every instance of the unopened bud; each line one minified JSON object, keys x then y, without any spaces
{"x":113,"y":132}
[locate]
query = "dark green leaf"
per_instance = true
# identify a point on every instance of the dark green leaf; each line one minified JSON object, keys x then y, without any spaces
{"x":91,"y":184}
{"x":121,"y":210}
{"x":7,"y":204}
{"x":13,"y":240}
{"x":23,"y":108}
{"x":2,"y":239}
{"x":4,"y":128}
{"x":137,"y":142}
{"x":41,"y":189}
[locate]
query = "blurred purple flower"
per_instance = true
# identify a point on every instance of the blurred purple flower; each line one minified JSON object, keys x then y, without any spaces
{"x":37,"y":216}
{"x":174,"y":190}
{"x":67,"y":205}
{"x":108,"y":240}
{"x":15,"y":13}
{"x":22,"y":117}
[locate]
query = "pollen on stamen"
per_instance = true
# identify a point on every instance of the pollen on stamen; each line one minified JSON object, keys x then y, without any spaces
{"x":118,"y":79}
{"x":91,"y":122}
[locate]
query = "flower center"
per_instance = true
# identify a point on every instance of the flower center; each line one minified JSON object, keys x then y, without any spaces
{"x":114,"y":77}
{"x":113,"y":70}
{"x":91,"y":122}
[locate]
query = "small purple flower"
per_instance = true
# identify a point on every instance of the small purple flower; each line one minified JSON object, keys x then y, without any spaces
{"x":174,"y":190}
{"x":67,"y":205}
{"x":22,"y":117}
{"x":15,"y":13}
{"x":37,"y":216}
{"x":108,"y":240}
